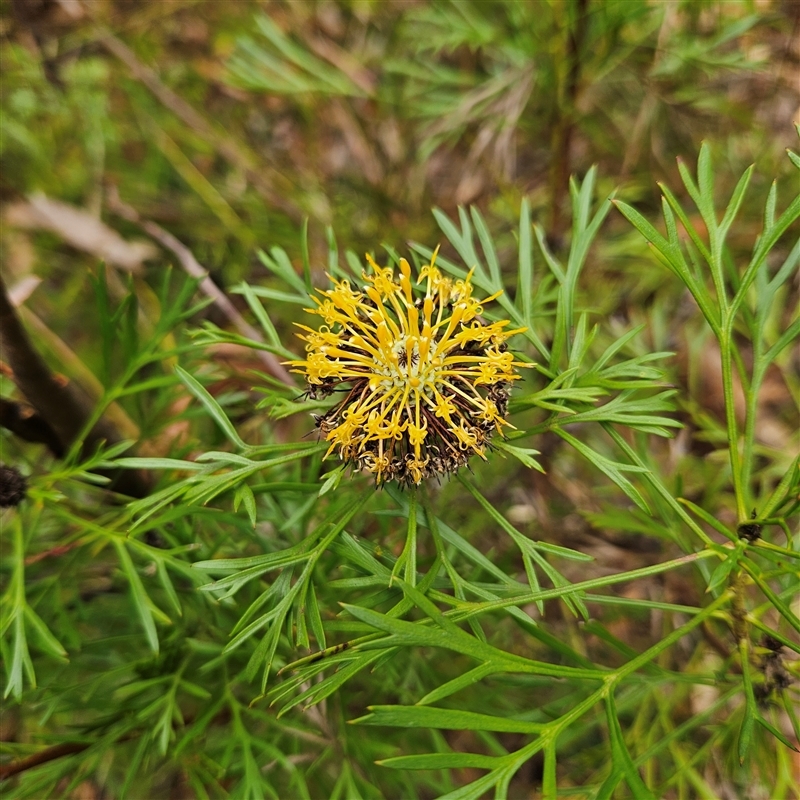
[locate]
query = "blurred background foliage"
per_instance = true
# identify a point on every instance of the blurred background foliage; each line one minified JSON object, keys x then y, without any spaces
{"x":230,"y":123}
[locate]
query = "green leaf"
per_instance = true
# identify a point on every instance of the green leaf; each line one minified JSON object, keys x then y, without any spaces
{"x":790,"y":477}
{"x":765,"y":244}
{"x":524,"y":296}
{"x":244,"y":494}
{"x":523,"y":454}
{"x":724,"y":568}
{"x":552,"y":262}
{"x":736,"y":201}
{"x":462,"y":241}
{"x":708,"y":519}
{"x":261,"y":315}
{"x":748,"y":719}
{"x":314,"y":617}
{"x":487,"y":245}
{"x":332,"y":479}
{"x":781,"y":607}
{"x":169,"y":588}
{"x":442,"y":761}
{"x":463,"y":681}
{"x":47,"y":641}
{"x":274,"y":294}
{"x":775,"y":732}
{"x":611,"y":469}
{"x":143,"y":604}
{"x":278,"y":263}
{"x":444,"y":719}
{"x":157,"y":463}
{"x":212,"y":406}
{"x":622,"y":758}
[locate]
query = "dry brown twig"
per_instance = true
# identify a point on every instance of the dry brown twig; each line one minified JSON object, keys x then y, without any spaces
{"x":79,"y":229}
{"x":190,"y":265}
{"x":63,"y":406}
{"x":42,"y":757}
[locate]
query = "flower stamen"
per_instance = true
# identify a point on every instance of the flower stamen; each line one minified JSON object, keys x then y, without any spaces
{"x":429,"y":378}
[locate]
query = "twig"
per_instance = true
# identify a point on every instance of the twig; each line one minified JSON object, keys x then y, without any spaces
{"x":60,"y":404}
{"x":42,"y":757}
{"x":24,"y":422}
{"x":207,"y":286}
{"x":276,"y":190}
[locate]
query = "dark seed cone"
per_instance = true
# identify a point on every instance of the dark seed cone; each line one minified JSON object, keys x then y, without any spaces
{"x":13,"y":486}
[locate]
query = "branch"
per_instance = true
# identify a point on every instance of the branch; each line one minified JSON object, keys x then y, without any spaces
{"x":24,"y":422}
{"x":207,"y":286}
{"x":62,"y":406}
{"x":42,"y":757}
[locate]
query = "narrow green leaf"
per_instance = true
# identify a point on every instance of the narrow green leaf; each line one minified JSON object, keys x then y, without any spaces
{"x":463,"y":681}
{"x":47,"y":641}
{"x":748,"y":719}
{"x":20,"y":660}
{"x":776,"y":733}
{"x":524,"y":296}
{"x":245,"y":495}
{"x":462,"y":241}
{"x":332,"y":479}
{"x":673,"y":204}
{"x":736,"y":201}
{"x":781,"y":607}
{"x":157,"y":463}
{"x":523,"y":454}
{"x":305,"y":256}
{"x":705,"y":183}
{"x":612,"y":469}
{"x":621,"y":756}
{"x":552,"y":262}
{"x":444,"y":719}
{"x":326,"y":687}
{"x":314,"y":617}
{"x":442,"y":761}
{"x":261,"y":315}
{"x":724,"y":568}
{"x":789,"y":706}
{"x":169,"y":588}
{"x":770,"y":206}
{"x":688,"y":182}
{"x":275,"y":294}
{"x":211,"y":405}
{"x":643,"y":226}
{"x":141,"y":600}
{"x":708,"y":519}
{"x":477,"y":790}
{"x":765,"y":244}
{"x":487,"y":244}
{"x":781,"y":491}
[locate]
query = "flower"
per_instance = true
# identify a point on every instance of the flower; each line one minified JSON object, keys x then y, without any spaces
{"x":427,"y":377}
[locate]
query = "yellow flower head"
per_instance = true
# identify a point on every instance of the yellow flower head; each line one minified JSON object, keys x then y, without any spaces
{"x":427,"y":379}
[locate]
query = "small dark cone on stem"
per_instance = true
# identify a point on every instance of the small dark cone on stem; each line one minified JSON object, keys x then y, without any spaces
{"x":13,"y":486}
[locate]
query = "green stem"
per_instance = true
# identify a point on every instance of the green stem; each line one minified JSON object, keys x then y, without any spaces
{"x":408,"y":557}
{"x":459,"y":615}
{"x":751,"y":409}
{"x":730,"y":419}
